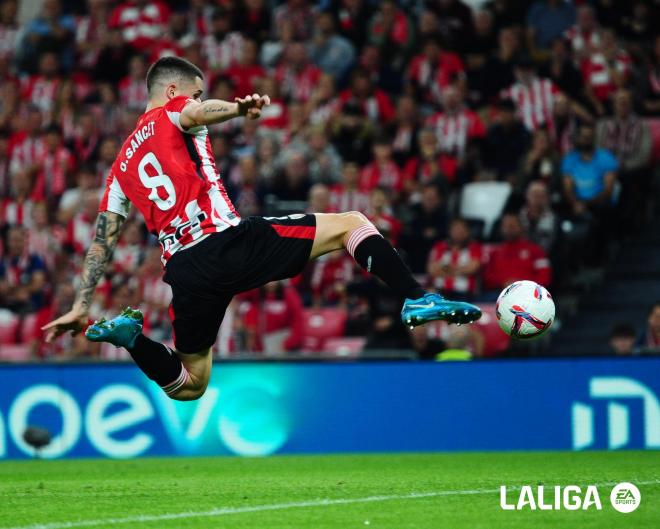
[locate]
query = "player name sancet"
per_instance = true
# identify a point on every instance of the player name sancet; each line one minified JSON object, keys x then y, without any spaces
{"x":138,"y":137}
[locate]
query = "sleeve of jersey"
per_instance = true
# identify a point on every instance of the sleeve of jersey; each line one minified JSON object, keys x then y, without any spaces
{"x":114,"y":199}
{"x":173,"y":110}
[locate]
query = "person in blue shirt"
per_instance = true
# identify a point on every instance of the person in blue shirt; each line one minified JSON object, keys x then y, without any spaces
{"x":52,"y":31}
{"x":547,"y":20}
{"x":589,"y":174}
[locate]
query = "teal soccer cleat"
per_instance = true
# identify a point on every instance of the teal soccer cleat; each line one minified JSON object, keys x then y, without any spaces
{"x":431,"y":307}
{"x":120,"y":331}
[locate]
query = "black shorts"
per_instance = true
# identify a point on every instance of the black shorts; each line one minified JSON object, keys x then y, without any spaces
{"x":206,"y":276}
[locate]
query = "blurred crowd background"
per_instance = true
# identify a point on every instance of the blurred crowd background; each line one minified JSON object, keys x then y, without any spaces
{"x":489,"y":141}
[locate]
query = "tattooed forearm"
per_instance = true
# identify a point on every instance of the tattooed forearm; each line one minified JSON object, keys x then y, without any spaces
{"x":108,"y":229}
{"x":215,"y":110}
{"x":212,"y":111}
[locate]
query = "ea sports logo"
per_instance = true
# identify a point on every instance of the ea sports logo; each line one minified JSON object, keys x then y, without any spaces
{"x":625,"y":497}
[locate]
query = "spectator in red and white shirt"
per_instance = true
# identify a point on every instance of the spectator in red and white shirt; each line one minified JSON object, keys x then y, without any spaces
{"x":606,"y":71}
{"x":142,"y":22}
{"x":454,"y":265}
{"x":296,"y":74}
{"x":383,"y":170}
{"x":299,"y":14}
{"x":516,"y":258}
{"x":433,"y":70}
{"x":55,"y":164}
{"x":273,"y":116}
{"x":318,"y":200}
{"x":132,"y":88}
{"x":4,"y":163}
{"x":72,"y":198}
{"x":45,"y":238}
{"x":584,"y":36}
{"x":16,"y":210}
{"x":274,"y":321}
{"x":40,"y":89}
{"x":247,"y":72}
{"x":81,"y":228}
{"x":391,"y":30}
{"x":154,"y":294}
{"x":457,"y":128}
{"x":222,"y":47}
{"x":373,"y":102}
{"x":330,"y":275}
{"x":322,"y":106}
{"x":381,"y":215}
{"x":92,"y":33}
{"x":347,"y":196}
{"x":427,"y":166}
{"x":533,"y":96}
{"x":27,"y":145}
{"x":129,"y":252}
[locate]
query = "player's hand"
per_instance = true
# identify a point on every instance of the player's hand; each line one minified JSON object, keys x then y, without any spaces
{"x":74,"y":321}
{"x":250,"y":106}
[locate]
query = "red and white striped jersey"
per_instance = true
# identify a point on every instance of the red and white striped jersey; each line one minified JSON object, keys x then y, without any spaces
{"x":387,"y":175}
{"x":220,"y":55}
{"x":24,"y":150}
{"x":596,"y":73}
{"x":582,"y":41}
{"x":133,"y":93}
{"x":141,"y":25}
{"x":297,"y":85}
{"x":454,"y":131}
{"x":13,"y":213}
{"x":40,"y":91}
{"x":534,"y":101}
{"x":343,"y":199}
{"x":80,"y":233}
{"x":169,"y":174}
{"x":444,"y":254}
{"x":54,"y":167}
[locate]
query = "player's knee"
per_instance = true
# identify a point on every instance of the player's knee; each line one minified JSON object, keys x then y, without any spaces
{"x":191,"y":391}
{"x":355,"y":219}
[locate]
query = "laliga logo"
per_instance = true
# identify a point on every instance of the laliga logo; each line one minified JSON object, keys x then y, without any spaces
{"x":625,"y":498}
{"x":618,"y":416}
{"x":570,"y":498}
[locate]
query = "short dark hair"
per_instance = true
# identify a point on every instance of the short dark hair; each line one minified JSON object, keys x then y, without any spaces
{"x":169,"y":69}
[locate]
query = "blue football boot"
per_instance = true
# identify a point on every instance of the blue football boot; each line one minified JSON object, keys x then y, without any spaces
{"x":432,"y":307}
{"x":120,"y":331}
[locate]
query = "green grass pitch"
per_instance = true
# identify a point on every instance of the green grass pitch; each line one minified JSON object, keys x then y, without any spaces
{"x":388,"y":491}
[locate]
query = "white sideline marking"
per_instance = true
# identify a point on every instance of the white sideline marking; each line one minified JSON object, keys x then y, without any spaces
{"x":277,"y":507}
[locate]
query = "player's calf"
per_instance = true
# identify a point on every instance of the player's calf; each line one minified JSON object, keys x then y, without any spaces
{"x":162,"y":365}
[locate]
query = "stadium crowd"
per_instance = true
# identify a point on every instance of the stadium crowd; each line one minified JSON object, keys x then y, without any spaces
{"x":409,"y":111}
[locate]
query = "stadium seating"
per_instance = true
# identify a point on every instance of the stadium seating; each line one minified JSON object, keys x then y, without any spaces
{"x":9,"y":323}
{"x":495,"y":341}
{"x":320,"y":325}
{"x":484,"y":201}
{"x":14,"y":353}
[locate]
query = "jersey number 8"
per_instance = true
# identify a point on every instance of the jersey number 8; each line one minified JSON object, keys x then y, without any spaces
{"x":159,"y":181}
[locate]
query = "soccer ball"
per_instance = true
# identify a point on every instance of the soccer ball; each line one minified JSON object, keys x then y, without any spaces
{"x":525,"y":310}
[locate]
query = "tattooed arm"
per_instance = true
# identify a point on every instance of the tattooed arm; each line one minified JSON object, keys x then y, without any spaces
{"x":211,"y":111}
{"x":108,"y":229}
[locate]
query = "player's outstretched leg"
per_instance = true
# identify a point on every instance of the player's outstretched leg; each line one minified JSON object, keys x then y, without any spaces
{"x":376,"y":255}
{"x":181,"y":377}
